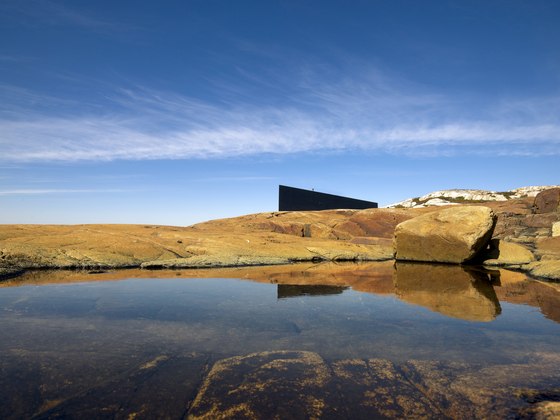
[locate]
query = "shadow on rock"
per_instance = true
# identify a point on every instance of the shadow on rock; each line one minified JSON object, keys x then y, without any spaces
{"x":451,"y":290}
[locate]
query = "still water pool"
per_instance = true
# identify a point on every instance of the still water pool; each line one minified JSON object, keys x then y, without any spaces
{"x":292,"y":342}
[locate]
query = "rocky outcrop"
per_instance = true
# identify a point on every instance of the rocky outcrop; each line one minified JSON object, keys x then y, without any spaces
{"x":547,"y":201}
{"x":451,"y":235}
{"x":327,"y":224}
{"x":465,"y":196}
{"x":279,"y":238}
{"x":548,"y":254}
{"x":260,"y":239}
{"x":525,"y":220}
{"x":447,"y":197}
{"x":548,"y":248}
{"x":215,"y":261}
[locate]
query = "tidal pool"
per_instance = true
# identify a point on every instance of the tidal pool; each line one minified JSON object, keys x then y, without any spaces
{"x":327,"y":341}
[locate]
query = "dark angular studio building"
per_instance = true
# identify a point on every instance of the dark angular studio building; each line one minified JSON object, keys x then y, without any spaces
{"x":294,"y":199}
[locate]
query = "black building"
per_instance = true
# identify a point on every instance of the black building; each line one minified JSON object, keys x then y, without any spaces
{"x":293,"y":199}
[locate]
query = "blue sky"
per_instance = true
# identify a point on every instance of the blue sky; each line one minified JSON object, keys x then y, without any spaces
{"x":176,"y":112}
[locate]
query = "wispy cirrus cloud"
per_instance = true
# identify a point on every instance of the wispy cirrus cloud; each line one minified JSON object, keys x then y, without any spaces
{"x":55,"y":13}
{"x":45,"y":191}
{"x":235,"y":179}
{"x":11,"y":58}
{"x":370,"y":115}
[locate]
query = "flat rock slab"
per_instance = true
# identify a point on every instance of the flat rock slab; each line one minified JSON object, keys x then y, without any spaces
{"x":260,"y":239}
{"x":548,"y":248}
{"x":452,"y":235}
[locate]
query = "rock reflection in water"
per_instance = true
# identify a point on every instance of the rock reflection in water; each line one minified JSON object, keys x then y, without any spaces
{"x":449,"y":289}
{"x":516,"y":288}
{"x":379,"y":278}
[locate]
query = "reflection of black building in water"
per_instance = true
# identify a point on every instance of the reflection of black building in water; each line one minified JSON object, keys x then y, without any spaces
{"x":294,"y":199}
{"x":295,"y":290}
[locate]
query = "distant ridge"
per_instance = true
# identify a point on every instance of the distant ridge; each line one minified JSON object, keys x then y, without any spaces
{"x":460,"y":196}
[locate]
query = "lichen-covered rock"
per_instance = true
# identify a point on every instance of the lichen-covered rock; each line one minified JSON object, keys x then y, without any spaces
{"x":266,"y":385}
{"x":301,"y":384}
{"x":451,"y":235}
{"x":502,"y":253}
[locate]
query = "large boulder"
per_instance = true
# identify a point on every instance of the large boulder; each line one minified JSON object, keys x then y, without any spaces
{"x":547,"y":201}
{"x":451,"y":235}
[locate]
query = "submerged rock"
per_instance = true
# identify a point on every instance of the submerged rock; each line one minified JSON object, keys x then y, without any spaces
{"x":301,"y":384}
{"x":266,"y":385}
{"x":547,"y":410}
{"x":451,"y":235}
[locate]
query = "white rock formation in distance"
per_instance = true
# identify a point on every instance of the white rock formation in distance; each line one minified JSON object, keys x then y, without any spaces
{"x":457,"y":196}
